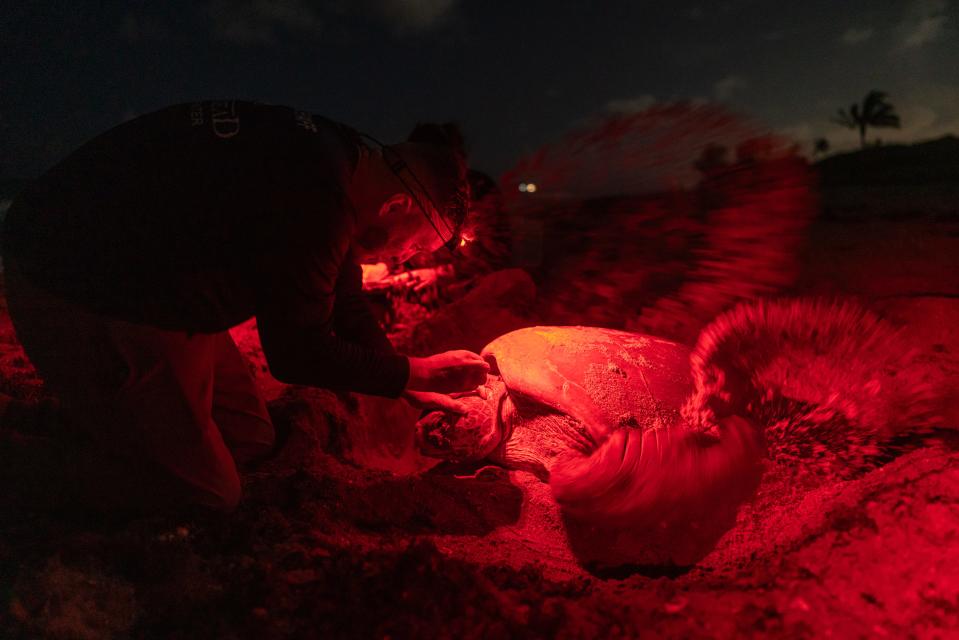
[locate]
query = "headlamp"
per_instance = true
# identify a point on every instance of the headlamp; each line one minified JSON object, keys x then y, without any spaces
{"x":456,"y":209}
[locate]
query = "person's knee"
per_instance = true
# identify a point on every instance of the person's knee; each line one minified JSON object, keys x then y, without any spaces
{"x":225,"y":496}
{"x":265,"y":435}
{"x":228,"y":503}
{"x":222,"y":494}
{"x":248,"y":438}
{"x":266,"y":440}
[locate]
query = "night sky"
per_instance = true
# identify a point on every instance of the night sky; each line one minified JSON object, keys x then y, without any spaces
{"x":514,"y":74}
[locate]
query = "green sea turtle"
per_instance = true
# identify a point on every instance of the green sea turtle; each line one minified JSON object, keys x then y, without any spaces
{"x":650,"y":447}
{"x":597,"y":414}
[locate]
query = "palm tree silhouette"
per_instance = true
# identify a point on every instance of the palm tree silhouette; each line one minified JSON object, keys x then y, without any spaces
{"x":875,"y":112}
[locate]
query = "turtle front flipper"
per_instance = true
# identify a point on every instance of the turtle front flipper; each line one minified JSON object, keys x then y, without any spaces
{"x":534,"y":437}
{"x":657,"y":497}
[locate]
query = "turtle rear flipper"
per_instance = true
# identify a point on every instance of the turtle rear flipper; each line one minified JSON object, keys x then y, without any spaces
{"x":659,"y":497}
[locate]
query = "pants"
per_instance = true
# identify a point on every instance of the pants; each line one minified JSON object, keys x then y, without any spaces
{"x":182,"y":410}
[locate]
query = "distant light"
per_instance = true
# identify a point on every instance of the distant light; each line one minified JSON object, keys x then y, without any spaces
{"x":462,"y":242}
{"x":531,"y":188}
{"x":523,"y":187}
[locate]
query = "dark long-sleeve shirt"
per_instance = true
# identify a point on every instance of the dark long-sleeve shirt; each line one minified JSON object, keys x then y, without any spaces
{"x":199,"y":216}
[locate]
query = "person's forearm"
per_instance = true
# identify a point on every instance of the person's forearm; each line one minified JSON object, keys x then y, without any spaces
{"x":355,"y":322}
{"x":353,"y":317}
{"x":419,"y":377}
{"x":334,"y":363}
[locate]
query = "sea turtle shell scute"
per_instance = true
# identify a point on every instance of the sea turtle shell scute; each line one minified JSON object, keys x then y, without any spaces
{"x":604,"y":378}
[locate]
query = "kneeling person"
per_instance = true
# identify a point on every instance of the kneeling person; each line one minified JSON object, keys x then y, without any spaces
{"x":127,"y":263}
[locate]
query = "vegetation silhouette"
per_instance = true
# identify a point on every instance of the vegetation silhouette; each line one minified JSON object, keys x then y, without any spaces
{"x":874,"y":111}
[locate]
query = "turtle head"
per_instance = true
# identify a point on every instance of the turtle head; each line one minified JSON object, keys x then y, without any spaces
{"x":461,"y":438}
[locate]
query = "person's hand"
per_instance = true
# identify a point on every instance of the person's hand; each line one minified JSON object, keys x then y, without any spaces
{"x":428,"y":401}
{"x":447,"y":372}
